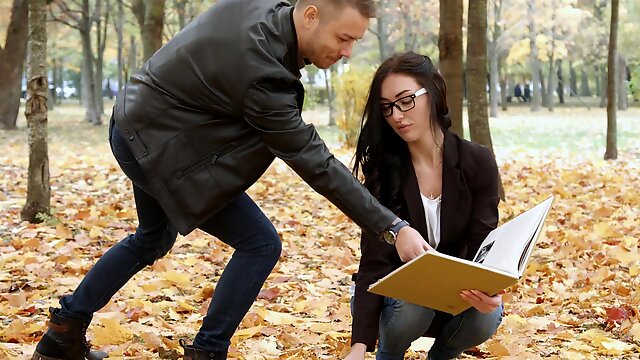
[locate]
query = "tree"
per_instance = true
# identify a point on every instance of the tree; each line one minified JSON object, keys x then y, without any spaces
{"x":534,"y":62}
{"x":494,"y":59}
{"x":81,"y":20}
{"x":383,"y":31}
{"x":450,"y":46}
{"x":150,"y":16}
{"x":477,"y":76}
{"x":38,"y":188}
{"x":11,"y":64}
{"x":119,"y":25}
{"x":612,"y":132}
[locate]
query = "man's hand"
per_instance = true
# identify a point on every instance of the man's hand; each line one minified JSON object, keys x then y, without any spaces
{"x":357,"y":352}
{"x":410,"y":244}
{"x":482,"y":302}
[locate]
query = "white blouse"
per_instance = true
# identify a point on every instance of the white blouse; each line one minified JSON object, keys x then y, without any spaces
{"x":432,"y":216}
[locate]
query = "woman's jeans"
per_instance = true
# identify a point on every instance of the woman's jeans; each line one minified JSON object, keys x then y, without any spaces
{"x":240,"y":224}
{"x":402,"y":323}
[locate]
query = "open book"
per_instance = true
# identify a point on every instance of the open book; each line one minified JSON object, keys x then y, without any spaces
{"x":435,"y":280}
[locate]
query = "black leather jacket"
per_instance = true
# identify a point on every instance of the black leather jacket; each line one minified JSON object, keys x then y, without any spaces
{"x":208,"y":113}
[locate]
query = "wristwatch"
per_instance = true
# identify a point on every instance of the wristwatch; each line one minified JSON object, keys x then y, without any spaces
{"x":391,"y":234}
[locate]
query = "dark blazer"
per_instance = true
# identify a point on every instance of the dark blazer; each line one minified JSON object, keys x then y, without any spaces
{"x":208,"y":113}
{"x":469,"y":211}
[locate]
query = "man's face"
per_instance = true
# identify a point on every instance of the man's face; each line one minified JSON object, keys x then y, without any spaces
{"x":332,"y":35}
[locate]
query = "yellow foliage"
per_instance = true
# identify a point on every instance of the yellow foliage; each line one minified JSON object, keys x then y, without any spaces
{"x":351,"y":88}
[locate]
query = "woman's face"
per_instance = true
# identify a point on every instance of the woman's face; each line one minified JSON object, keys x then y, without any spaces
{"x":412,"y":124}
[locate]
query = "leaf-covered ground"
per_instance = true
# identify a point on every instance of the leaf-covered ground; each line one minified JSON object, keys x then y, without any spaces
{"x":579,"y":298}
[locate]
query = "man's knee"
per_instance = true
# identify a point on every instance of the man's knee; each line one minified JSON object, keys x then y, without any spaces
{"x":151,"y":246}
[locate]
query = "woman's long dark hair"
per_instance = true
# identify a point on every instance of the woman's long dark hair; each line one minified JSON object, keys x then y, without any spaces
{"x":380,"y":152}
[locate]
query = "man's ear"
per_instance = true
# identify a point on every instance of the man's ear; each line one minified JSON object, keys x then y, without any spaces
{"x":311,"y":14}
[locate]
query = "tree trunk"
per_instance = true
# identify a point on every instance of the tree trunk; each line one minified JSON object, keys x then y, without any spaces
{"x":329,"y":76}
{"x":383,"y":32}
{"x":88,"y":80}
{"x":133,"y":62}
{"x":150,"y":16}
{"x":409,"y":32}
{"x":551,"y":84}
{"x":494,"y":62}
{"x":88,"y":76}
{"x":560,"y":87}
{"x":101,"y":45}
{"x":12,"y":58}
{"x":543,"y":89}
{"x":119,"y":33}
{"x":493,"y":89}
{"x":503,"y":84}
{"x":451,"y":66}
{"x":536,"y":99}
{"x":605,"y":87}
{"x":573,"y":80}
{"x":584,"y":83}
{"x":623,"y":102}
{"x":479,"y":129}
{"x":612,"y":132}
{"x":38,"y":188}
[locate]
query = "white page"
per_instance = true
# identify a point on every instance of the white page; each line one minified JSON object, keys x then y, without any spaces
{"x":504,"y":246}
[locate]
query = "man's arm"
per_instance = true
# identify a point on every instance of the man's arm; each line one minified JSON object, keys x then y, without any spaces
{"x":270,"y":108}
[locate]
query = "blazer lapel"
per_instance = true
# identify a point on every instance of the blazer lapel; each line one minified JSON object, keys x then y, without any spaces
{"x":411,"y":192}
{"x":451,"y":183}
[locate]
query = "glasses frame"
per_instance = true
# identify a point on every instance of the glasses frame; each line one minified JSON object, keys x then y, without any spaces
{"x":394,"y":104}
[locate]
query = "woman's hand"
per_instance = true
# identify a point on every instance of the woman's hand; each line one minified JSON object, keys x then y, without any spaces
{"x":410,"y":244}
{"x":482,"y":302}
{"x":357,"y":352}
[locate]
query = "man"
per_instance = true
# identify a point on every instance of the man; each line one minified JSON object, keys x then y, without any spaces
{"x":195,"y":127}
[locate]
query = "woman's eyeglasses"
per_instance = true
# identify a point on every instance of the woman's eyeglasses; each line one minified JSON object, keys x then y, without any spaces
{"x":403,"y":104}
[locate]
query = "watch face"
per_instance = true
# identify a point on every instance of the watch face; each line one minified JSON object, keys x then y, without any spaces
{"x":389,"y":238}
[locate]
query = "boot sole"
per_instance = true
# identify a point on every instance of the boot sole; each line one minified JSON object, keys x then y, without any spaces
{"x":92,"y":355}
{"x":37,"y":356}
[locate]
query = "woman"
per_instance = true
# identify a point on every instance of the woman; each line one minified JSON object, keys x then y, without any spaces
{"x":448,"y":189}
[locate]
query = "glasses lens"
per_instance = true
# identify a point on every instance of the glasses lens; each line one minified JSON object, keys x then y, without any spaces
{"x":387,"y":109}
{"x":406,"y":103}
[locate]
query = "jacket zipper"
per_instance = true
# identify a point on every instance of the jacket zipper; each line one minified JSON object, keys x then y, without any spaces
{"x":209,"y":159}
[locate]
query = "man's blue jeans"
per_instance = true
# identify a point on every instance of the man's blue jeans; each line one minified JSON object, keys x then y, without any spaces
{"x":401,"y":323}
{"x":240,"y":224}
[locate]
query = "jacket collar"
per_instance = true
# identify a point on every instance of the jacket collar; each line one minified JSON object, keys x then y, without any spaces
{"x":285,"y":17}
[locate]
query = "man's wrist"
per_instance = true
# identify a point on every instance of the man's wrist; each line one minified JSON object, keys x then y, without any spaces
{"x":390,"y":235}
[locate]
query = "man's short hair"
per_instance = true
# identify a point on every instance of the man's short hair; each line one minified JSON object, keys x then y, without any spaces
{"x":366,"y":8}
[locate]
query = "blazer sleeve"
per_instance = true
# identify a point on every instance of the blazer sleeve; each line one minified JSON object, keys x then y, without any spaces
{"x":270,"y":108}
{"x":376,"y":262}
{"x":485,"y":199}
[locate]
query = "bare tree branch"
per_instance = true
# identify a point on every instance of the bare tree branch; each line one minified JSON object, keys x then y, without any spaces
{"x":55,"y":18}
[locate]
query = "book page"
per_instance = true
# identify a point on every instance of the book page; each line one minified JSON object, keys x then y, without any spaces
{"x":506,"y":245}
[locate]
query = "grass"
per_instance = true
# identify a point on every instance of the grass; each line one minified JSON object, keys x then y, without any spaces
{"x":566,"y":132}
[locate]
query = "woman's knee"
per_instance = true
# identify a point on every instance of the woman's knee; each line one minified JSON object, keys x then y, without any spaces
{"x":404,"y":322}
{"x":472,"y":329}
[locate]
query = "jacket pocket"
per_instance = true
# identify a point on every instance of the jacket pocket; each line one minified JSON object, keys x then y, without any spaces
{"x":208,"y":160}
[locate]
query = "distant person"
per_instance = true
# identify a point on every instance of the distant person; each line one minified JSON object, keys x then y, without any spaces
{"x":447,"y":187}
{"x":527,"y":92}
{"x":517,"y":93}
{"x":198,"y":125}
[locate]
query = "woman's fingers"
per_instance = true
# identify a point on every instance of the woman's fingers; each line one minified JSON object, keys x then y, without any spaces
{"x":481,"y":301}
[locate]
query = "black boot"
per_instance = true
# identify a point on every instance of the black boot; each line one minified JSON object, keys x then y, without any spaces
{"x":191,"y":353}
{"x":65,"y":340}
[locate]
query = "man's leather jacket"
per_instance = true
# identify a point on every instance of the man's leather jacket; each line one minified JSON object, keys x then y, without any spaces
{"x":208,"y":113}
